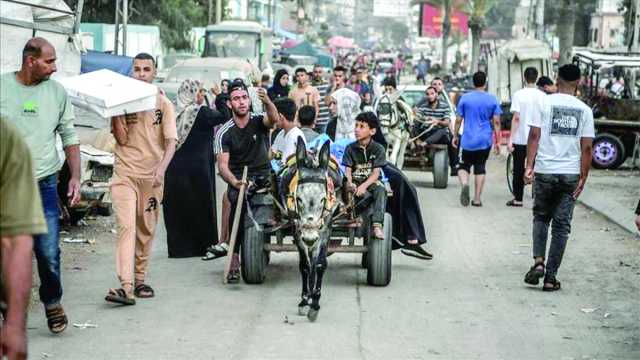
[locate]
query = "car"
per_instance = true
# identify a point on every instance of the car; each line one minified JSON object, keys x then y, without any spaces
{"x":208,"y":70}
{"x":413,"y":93}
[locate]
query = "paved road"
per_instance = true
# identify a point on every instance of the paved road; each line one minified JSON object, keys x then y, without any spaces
{"x":468,"y":303}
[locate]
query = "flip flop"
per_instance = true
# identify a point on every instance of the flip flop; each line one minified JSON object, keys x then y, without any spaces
{"x":216,"y":251}
{"x":513,"y":203}
{"x":464,"y":195}
{"x":476,"y":204}
{"x":119,"y":296}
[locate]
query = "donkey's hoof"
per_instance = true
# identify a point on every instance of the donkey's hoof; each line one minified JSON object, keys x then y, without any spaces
{"x":313,"y":314}
{"x":303,"y":310}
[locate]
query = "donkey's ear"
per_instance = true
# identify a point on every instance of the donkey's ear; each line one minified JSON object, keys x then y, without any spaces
{"x":301,"y":151}
{"x":323,"y":156}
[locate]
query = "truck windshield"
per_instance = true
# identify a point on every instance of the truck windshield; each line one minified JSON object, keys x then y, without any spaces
{"x":225,"y":44}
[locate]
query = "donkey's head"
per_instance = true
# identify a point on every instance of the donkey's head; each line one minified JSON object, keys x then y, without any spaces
{"x":313,"y":193}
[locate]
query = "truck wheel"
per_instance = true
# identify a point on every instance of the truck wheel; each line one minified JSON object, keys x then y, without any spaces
{"x":379,"y":256}
{"x":608,"y":152}
{"x":253,"y":256}
{"x":440,"y":169}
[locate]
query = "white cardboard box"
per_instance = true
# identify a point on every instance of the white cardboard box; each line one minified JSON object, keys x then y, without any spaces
{"x":108,"y":93}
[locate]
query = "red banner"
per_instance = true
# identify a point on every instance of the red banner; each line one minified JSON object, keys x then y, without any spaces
{"x":432,"y":18}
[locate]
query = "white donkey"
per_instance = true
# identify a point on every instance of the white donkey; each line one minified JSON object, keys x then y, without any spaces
{"x":396,"y":120}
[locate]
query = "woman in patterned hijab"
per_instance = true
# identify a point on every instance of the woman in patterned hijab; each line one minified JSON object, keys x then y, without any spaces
{"x":189,"y":100}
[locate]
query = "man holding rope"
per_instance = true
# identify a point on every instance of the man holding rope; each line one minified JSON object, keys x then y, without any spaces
{"x":243,"y":142}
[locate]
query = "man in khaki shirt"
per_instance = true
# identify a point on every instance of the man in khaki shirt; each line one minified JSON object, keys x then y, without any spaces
{"x":305,"y":94}
{"x":145,"y":144}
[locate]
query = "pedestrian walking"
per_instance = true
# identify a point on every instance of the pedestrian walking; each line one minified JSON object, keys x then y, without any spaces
{"x":190,"y":185}
{"x":243,"y":141}
{"x":558,"y":161}
{"x":478,"y":109}
{"x":145,"y":145}
{"x":323,"y":88}
{"x":18,"y":225}
{"x":40,"y":109}
{"x":525,"y":105}
{"x":303,"y":93}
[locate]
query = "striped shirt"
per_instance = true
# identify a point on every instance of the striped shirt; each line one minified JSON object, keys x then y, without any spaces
{"x":441,"y":111}
{"x":323,"y":114}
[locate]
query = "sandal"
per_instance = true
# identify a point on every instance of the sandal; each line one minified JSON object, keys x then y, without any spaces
{"x":56,"y":319}
{"x":377,"y":232}
{"x":534,"y":274}
{"x":216,"y":251}
{"x":143,"y":291}
{"x":233,"y":277}
{"x":119,"y":296}
{"x":476,"y":204}
{"x":513,"y":203}
{"x":555,"y":284}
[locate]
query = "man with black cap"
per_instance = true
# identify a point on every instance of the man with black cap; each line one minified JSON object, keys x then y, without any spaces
{"x":559,"y":158}
{"x":243,"y":141}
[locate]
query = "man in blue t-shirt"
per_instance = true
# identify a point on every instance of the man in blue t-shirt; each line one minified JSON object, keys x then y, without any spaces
{"x":477,"y":109}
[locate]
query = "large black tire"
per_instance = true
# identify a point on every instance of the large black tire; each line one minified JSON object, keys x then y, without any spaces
{"x":254,"y":257}
{"x":510,"y":172}
{"x":379,"y":256}
{"x":440,"y":169}
{"x":608,"y":152}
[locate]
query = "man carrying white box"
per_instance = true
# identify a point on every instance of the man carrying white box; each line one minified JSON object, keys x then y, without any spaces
{"x":145,"y":144}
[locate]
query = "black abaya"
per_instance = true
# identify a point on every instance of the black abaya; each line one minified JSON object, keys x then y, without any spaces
{"x":189,"y":191}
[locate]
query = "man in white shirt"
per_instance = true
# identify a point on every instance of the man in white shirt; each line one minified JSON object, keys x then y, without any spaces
{"x":525,"y":105}
{"x":285,"y":142}
{"x":560,"y":144}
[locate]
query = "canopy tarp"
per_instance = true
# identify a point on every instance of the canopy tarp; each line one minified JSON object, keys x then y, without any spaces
{"x":608,"y":59}
{"x":304,"y":48}
{"x":525,"y":49}
{"x":95,"y":60}
{"x":341,"y":42}
{"x":289,"y":43}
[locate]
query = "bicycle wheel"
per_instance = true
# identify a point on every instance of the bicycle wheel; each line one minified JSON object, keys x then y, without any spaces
{"x":510,"y":173}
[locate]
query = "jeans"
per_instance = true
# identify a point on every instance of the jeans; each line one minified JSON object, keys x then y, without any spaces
{"x":47,"y":246}
{"x":553,"y":203}
{"x":379,"y":194}
{"x":519,"y":157}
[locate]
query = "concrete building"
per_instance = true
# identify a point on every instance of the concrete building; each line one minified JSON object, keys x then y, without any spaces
{"x":607,"y":26}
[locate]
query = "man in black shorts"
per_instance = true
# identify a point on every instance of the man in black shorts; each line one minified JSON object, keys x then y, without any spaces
{"x":478,"y":109}
{"x":243,"y":141}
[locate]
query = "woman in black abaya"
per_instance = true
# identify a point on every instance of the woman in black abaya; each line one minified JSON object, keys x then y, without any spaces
{"x":189,"y":191}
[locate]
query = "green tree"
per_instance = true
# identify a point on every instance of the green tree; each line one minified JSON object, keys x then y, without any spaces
{"x":477,"y":10}
{"x":175,"y":18}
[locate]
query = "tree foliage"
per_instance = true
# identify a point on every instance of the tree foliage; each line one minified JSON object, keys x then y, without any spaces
{"x":175,"y":18}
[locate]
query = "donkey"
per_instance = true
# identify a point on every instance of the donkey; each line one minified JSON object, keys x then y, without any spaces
{"x":396,"y":121}
{"x":313,"y":205}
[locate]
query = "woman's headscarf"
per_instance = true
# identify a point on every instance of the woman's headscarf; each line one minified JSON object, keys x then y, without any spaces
{"x":187,"y":108}
{"x":277,"y":90}
{"x":348,"y":107}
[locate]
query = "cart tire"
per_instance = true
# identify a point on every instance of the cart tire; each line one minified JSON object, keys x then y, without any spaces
{"x":254,"y":257}
{"x":510,"y":172}
{"x":440,"y":169}
{"x":364,"y":263}
{"x":608,"y":152}
{"x":379,"y":256}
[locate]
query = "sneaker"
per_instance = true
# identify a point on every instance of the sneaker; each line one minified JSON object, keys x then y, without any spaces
{"x":464,"y":195}
{"x":416,"y":251}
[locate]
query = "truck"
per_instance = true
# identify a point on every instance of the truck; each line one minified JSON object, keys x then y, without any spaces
{"x":246,"y":40}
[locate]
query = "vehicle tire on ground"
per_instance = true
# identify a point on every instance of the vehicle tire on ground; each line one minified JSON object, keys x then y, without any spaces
{"x":608,"y":152}
{"x":253,"y":256}
{"x":440,"y":169}
{"x":379,"y":256}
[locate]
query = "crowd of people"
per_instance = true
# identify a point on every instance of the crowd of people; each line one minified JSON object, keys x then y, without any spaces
{"x":166,"y":157}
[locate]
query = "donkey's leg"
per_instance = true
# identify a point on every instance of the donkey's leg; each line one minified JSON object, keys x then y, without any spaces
{"x":319,"y":264}
{"x":303,"y":265}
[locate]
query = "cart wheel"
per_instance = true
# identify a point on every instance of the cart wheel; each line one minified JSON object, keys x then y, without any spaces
{"x":379,"y":256}
{"x":440,"y":169}
{"x":510,"y":172}
{"x":254,"y":257}
{"x":608,"y":152}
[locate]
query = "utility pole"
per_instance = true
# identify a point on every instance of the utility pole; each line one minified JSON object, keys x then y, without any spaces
{"x":210,"y":13}
{"x":218,"y":11}
{"x":539,"y":20}
{"x":635,"y":22}
{"x":122,"y":13}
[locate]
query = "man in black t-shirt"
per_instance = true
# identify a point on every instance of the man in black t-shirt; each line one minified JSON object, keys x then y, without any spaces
{"x":243,"y":141}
